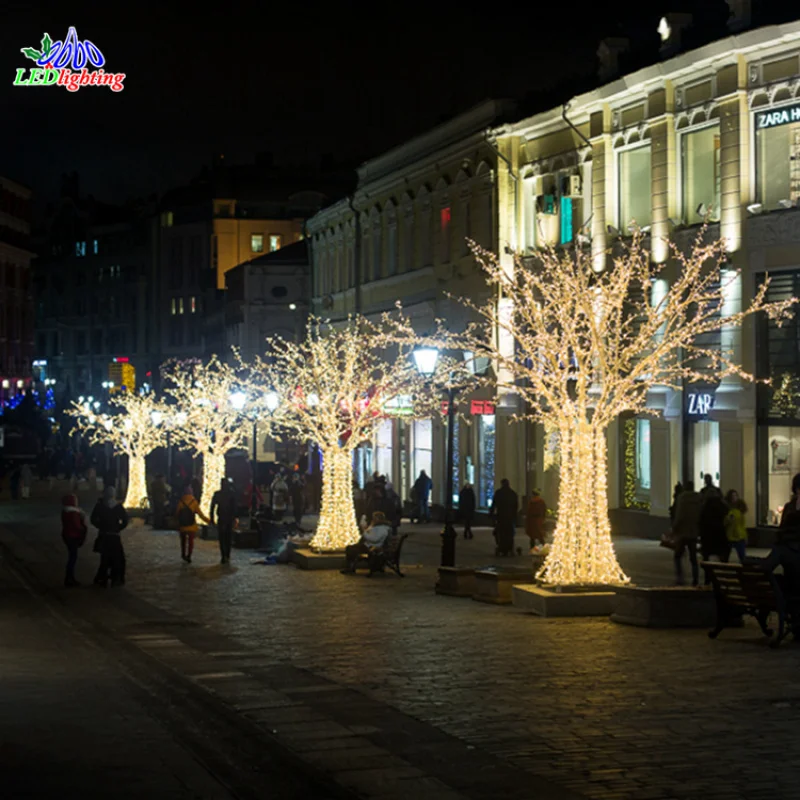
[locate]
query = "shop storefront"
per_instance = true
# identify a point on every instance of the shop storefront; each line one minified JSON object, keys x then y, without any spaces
{"x":701,"y":443}
{"x":778,"y":405}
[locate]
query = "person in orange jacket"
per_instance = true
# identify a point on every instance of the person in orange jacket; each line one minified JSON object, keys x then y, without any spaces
{"x":187,"y":511}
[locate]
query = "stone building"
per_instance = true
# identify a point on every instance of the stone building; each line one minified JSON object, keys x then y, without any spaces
{"x":709,"y":133}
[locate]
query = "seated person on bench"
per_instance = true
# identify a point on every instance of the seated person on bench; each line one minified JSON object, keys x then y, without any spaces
{"x":372,"y":539}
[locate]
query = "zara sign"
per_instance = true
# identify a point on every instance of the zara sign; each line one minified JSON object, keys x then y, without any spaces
{"x":699,"y":404}
{"x":778,"y":116}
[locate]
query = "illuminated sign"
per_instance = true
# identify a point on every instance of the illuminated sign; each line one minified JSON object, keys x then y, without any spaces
{"x":778,"y":116}
{"x":699,"y":404}
{"x":481,"y":408}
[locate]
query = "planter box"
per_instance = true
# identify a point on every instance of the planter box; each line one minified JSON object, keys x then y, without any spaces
{"x":673,"y":607}
{"x":494,"y":584}
{"x":304,"y":558}
{"x":548,"y":603}
{"x":456,"y":581}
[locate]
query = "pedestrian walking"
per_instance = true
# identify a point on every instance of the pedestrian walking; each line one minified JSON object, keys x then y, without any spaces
{"x":685,"y":531}
{"x":188,"y":509}
{"x":74,"y":527}
{"x":26,"y":479}
{"x":535,"y":517}
{"x":676,"y":493}
{"x":466,"y":508}
{"x":158,"y":500}
{"x":711,"y":526}
{"x":110,"y":519}
{"x":224,"y":504}
{"x":503,"y":511}
{"x":790,"y":514}
{"x":280,"y":495}
{"x":422,"y":487}
{"x":394,"y":507}
{"x":736,"y":524}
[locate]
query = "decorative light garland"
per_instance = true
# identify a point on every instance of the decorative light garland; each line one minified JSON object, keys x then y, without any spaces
{"x":211,"y":424}
{"x":592,"y":346}
{"x":335,"y":388}
{"x":130,"y":431}
{"x":630,"y":467}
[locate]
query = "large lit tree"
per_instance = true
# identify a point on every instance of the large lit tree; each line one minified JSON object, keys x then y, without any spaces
{"x":335,"y":387}
{"x":211,"y":421}
{"x":580,"y":348}
{"x":133,"y":430}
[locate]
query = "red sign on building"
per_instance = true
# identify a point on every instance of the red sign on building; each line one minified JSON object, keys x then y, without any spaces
{"x":482,"y":407}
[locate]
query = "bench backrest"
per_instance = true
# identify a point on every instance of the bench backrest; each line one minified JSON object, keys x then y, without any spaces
{"x":394,"y":546}
{"x":744,"y":585}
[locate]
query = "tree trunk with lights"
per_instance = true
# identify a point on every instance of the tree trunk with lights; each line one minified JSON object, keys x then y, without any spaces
{"x":582,"y":551}
{"x":337,"y":526}
{"x":136,"y":493}
{"x":213,"y":473}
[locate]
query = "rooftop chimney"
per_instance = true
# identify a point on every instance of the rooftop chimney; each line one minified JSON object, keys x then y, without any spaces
{"x":609,"y":52}
{"x":740,"y":15}
{"x":671,"y":29}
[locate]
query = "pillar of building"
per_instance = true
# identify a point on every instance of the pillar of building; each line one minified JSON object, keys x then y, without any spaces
{"x":602,"y":182}
{"x":660,"y":467}
{"x":663,"y":161}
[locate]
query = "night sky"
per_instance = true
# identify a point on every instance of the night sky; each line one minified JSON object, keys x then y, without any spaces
{"x":297,"y":80}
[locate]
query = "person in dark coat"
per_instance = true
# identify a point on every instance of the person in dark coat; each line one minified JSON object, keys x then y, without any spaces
{"x":297,"y":493}
{"x":422,"y":489}
{"x":676,"y":493}
{"x":110,"y":519}
{"x":466,"y":508}
{"x":713,"y":540}
{"x":685,"y":531}
{"x":503,"y":511}
{"x":790,"y":516}
{"x":224,"y":504}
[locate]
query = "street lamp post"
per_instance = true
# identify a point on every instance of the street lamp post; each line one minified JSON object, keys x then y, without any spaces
{"x":425,"y":359}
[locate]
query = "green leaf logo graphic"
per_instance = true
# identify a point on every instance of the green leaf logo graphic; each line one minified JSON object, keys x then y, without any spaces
{"x":47,"y":43}
{"x":29,"y":52}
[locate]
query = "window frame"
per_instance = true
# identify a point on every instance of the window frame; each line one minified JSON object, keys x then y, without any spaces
{"x":687,"y":131}
{"x":618,"y":152}
{"x":253,"y":237}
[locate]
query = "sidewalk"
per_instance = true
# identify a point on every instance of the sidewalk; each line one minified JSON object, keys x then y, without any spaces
{"x":69,"y":726}
{"x":396,"y":692}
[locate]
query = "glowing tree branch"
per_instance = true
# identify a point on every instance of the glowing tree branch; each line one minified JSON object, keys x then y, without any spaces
{"x":588,"y":347}
{"x":335,"y":388}
{"x":133,"y":430}
{"x":211,"y":420}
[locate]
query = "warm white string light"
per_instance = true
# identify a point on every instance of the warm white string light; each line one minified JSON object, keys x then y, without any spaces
{"x":588,"y":347}
{"x":207,"y":403}
{"x":131,"y":431}
{"x":333,"y":389}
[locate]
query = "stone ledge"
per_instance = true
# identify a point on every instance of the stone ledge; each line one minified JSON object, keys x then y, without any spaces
{"x":456,"y":581}
{"x":548,"y":603}
{"x":494,"y":584}
{"x":304,"y":558}
{"x":664,"y":607}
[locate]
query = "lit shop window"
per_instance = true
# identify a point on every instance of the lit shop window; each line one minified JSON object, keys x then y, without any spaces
{"x":257,"y":242}
{"x":778,"y":157}
{"x":274,"y":242}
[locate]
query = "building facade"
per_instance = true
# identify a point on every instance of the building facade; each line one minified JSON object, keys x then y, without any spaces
{"x":16,"y":303}
{"x":710,"y":134}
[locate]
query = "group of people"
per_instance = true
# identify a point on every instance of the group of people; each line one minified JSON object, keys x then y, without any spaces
{"x":718,"y":523}
{"x":504,"y":511}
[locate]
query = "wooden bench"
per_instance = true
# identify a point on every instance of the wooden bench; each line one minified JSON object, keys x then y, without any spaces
{"x":387,"y":556}
{"x":749,"y":589}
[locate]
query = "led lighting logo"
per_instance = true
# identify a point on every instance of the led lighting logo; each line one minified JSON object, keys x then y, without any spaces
{"x":70,"y":63}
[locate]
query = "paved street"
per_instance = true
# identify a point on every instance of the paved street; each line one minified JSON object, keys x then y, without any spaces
{"x":394,"y":691}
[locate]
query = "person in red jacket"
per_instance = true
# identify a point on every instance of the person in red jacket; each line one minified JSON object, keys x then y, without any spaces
{"x":74,"y":527}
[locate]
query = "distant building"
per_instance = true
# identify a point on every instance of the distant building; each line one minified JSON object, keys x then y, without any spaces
{"x":267,"y":296}
{"x":95,"y":290}
{"x":16,"y":305}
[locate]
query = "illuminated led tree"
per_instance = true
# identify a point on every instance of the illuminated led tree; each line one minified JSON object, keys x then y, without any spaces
{"x":211,"y":423}
{"x":580,"y":348}
{"x":335,"y":387}
{"x":133,"y":430}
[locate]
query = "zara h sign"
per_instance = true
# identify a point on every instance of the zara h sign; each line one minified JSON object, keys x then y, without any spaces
{"x":777,"y":116}
{"x":698,"y":404}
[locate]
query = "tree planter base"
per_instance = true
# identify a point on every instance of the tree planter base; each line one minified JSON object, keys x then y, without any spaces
{"x":673,"y":607}
{"x":494,"y":584}
{"x":456,"y":581}
{"x":569,"y":603}
{"x":304,"y":558}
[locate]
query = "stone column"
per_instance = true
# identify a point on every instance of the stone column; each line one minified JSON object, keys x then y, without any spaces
{"x":602,"y":183}
{"x":660,"y":467}
{"x":663,"y":170}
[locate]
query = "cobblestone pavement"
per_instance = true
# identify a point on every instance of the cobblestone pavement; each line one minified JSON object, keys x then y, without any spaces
{"x":69,"y":727}
{"x":445,"y":697}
